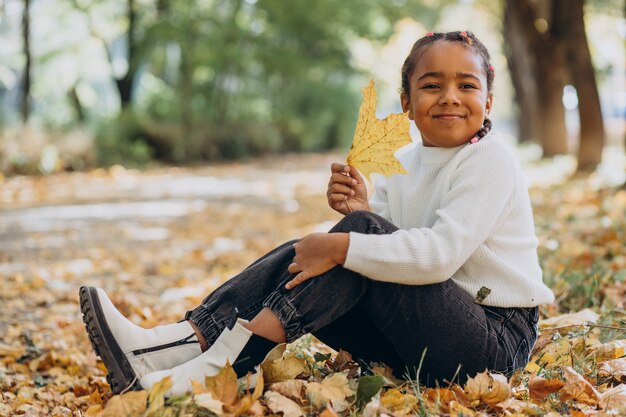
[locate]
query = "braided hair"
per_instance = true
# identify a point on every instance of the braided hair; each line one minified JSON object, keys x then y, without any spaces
{"x":465,"y":37}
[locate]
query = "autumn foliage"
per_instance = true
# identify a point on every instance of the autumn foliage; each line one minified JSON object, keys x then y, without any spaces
{"x":47,"y":367}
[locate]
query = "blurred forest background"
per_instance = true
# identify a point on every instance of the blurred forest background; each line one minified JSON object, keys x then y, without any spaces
{"x":98,"y":82}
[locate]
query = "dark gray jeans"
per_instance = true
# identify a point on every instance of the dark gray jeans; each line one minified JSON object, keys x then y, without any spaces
{"x":377,"y":321}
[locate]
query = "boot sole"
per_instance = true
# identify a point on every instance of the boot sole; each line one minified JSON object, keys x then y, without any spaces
{"x":121,"y":376}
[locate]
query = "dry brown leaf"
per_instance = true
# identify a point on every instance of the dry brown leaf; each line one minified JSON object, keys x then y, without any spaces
{"x":488,"y":388}
{"x":397,"y":402}
{"x":539,"y":388}
{"x":333,"y":389}
{"x":610,"y":350}
{"x":557,"y":354}
{"x":442,"y":397}
{"x":293,"y":388}
{"x":328,"y":412}
{"x":615,"y":368}
{"x":585,"y":316}
{"x":243,"y":404}
{"x":278,"y":403}
{"x":130,"y":404}
{"x":223,"y":386}
{"x":375,"y":141}
{"x":513,"y":406}
{"x":207,"y":401}
{"x":278,"y":367}
{"x":156,"y":398}
{"x":577,"y":388}
{"x":256,"y":409}
{"x":12,"y":351}
{"x":459,"y":410}
{"x":93,"y":411}
{"x":385,"y":371}
{"x":614,"y":399}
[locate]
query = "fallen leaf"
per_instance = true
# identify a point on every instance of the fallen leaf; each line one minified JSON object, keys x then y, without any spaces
{"x":586,"y":316}
{"x":328,"y":412}
{"x":615,"y":368}
{"x":93,"y":411}
{"x":440,"y":398}
{"x":206,"y":400}
{"x":488,"y":388}
{"x":539,"y":388}
{"x":260,"y":383}
{"x":223,"y":386}
{"x":375,"y":141}
{"x":156,"y":398}
{"x":611,"y":350}
{"x":278,"y":367}
{"x":12,"y":351}
{"x":459,"y":410}
{"x":333,"y":389}
{"x":372,"y":408}
{"x":558,"y":353}
{"x":397,"y":402}
{"x":256,"y":409}
{"x":129,"y":404}
{"x":614,"y":399}
{"x":278,"y":403}
{"x":577,"y":388}
{"x":293,"y":388}
{"x":518,"y":407}
{"x":368,"y":387}
{"x":343,"y":362}
{"x":482,"y":293}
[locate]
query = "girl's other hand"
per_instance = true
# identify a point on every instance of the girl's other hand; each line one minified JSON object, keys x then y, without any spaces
{"x":317,"y":253}
{"x":346,"y":189}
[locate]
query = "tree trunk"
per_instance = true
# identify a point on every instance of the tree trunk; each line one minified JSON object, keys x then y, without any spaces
{"x":26,"y":80}
{"x":76,"y":104}
{"x":126,"y":83}
{"x":547,"y":68}
{"x":570,"y":28}
{"x":521,"y":67}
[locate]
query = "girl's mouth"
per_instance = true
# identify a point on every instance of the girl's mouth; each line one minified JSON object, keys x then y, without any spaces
{"x":448,"y":116}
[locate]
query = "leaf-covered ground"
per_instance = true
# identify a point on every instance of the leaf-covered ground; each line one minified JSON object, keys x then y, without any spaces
{"x":158,"y":241}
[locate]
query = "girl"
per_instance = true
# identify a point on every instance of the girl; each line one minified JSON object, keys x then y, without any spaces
{"x":437,"y":276}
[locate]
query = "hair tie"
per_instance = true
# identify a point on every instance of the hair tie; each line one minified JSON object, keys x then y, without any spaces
{"x":466,"y":38}
{"x":429,"y":34}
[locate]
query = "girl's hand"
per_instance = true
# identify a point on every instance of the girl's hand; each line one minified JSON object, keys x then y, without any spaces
{"x":346,"y":189}
{"x":317,"y":253}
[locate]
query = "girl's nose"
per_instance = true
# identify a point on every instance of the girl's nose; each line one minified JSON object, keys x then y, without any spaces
{"x":449,"y":96}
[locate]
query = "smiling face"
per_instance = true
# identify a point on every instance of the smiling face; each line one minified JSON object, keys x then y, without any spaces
{"x":448,"y":97}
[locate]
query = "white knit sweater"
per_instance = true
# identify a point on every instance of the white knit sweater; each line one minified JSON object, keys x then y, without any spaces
{"x":463,"y":213}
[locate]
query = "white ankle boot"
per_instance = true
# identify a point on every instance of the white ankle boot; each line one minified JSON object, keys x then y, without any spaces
{"x":239,"y":346}
{"x":129,"y":351}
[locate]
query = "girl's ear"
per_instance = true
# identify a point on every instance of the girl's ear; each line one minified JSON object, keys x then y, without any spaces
{"x":489,"y":103}
{"x":406,"y":104}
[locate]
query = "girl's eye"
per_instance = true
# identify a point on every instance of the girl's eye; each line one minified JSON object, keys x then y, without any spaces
{"x":429,"y":86}
{"x":468,"y":86}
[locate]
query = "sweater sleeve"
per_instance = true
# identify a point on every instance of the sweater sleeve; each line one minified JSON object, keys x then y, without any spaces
{"x":480,"y":188}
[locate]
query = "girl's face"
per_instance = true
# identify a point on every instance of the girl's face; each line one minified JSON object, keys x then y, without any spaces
{"x":448,"y":97}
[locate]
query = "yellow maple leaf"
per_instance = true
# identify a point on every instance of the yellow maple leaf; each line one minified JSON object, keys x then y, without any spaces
{"x":129,"y":404}
{"x":488,"y":388}
{"x":278,"y":366}
{"x":375,"y":140}
{"x":156,"y":399}
{"x":223,"y":386}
